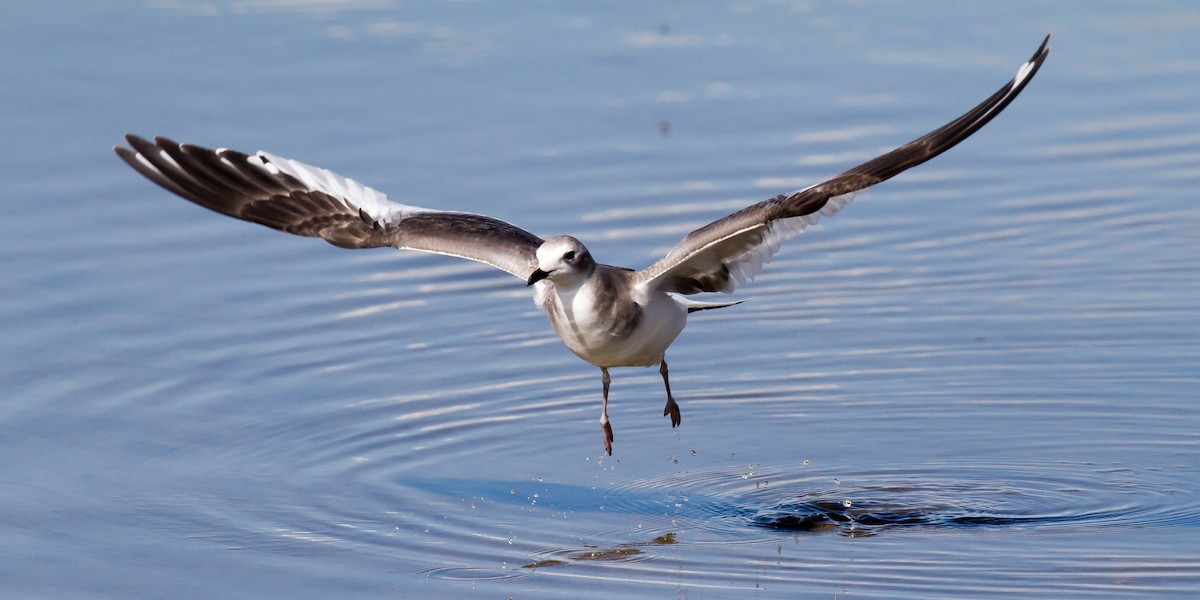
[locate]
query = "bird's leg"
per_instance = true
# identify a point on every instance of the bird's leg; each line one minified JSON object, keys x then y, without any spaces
{"x":671,"y":408}
{"x":608,"y":436}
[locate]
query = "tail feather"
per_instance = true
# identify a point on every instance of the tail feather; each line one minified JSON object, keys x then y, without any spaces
{"x":695,"y":305}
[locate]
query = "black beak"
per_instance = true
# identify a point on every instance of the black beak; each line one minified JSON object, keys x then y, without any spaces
{"x":536,"y":276}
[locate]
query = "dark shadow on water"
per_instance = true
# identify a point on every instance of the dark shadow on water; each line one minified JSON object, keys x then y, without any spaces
{"x":914,"y":500}
{"x":870,"y":518}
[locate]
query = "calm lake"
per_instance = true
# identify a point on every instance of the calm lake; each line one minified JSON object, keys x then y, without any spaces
{"x":980,"y":379}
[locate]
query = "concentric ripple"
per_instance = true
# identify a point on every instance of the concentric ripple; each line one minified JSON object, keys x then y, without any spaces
{"x":945,"y":495}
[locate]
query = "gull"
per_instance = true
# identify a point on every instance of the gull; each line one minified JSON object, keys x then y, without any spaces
{"x":608,"y":316}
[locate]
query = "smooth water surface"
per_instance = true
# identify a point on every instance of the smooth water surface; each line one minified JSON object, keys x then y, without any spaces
{"x":979,"y":380}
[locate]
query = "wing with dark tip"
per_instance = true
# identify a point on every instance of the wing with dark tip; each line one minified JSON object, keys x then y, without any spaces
{"x":291,"y":196}
{"x":733,"y":249}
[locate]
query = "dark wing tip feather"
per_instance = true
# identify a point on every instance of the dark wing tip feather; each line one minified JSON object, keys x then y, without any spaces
{"x":235,"y":184}
{"x":137,"y":159}
{"x":949,"y":135}
{"x":915,"y":152}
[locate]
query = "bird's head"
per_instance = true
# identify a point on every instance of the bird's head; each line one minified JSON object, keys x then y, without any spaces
{"x":563,"y":260}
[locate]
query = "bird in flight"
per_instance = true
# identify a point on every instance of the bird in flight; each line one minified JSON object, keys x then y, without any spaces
{"x":608,"y":316}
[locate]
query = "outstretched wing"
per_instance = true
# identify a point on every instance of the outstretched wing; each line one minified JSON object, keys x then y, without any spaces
{"x":291,"y":196}
{"x":733,"y":249}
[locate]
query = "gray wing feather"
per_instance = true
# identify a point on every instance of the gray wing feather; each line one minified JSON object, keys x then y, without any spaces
{"x":731,"y":250}
{"x":304,"y":200}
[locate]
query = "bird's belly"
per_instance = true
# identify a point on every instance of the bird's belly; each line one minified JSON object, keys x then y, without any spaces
{"x":642,"y":345}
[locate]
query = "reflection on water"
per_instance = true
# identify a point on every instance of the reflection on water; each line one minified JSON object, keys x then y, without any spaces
{"x":978,"y":380}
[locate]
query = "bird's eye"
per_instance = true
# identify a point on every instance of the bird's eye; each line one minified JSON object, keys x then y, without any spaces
{"x":569,"y":256}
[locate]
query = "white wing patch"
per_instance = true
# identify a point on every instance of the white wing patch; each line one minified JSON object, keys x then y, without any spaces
{"x":374,"y":202}
{"x":1022,"y":73}
{"x":745,"y":266}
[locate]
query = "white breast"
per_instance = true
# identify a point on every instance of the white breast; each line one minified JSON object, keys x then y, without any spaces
{"x":584,"y":328}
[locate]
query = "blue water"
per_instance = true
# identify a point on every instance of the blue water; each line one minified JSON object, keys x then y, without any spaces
{"x":979,"y":380}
